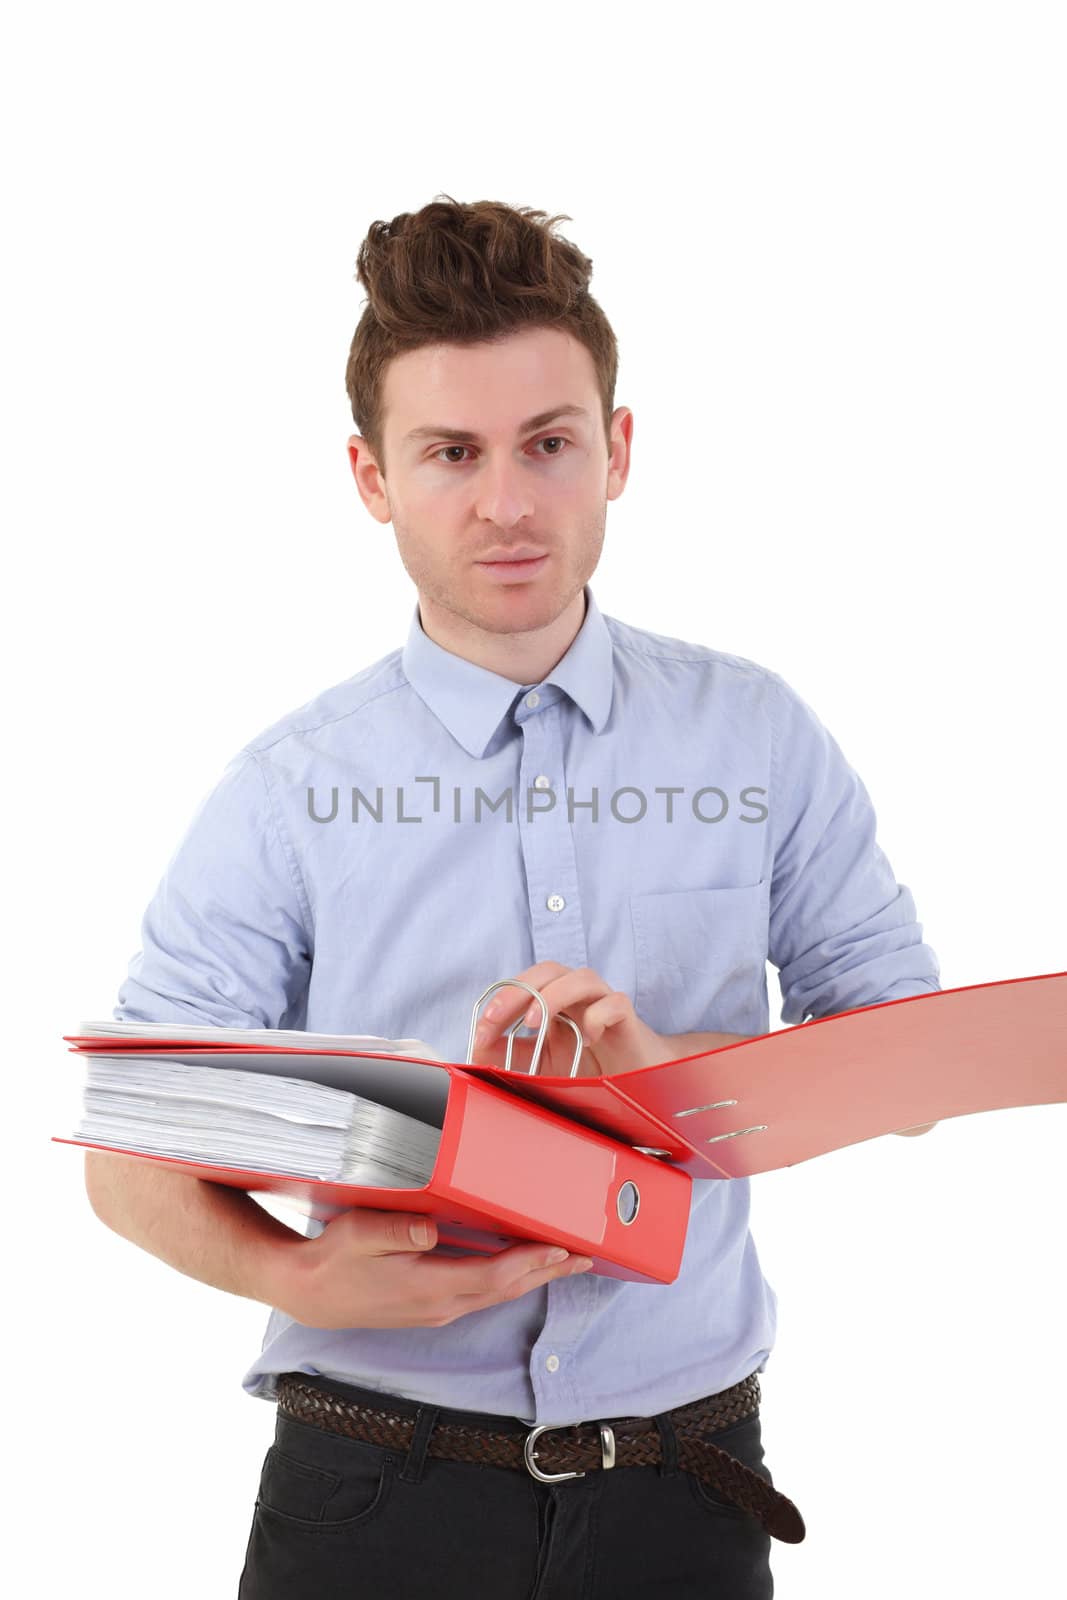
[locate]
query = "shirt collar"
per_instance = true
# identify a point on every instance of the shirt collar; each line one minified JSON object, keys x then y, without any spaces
{"x":470,"y":700}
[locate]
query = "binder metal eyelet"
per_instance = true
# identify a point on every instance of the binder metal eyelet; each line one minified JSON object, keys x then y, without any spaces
{"x":516,"y":983}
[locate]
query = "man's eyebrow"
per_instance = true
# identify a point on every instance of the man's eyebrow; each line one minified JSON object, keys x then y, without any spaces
{"x":461,"y":436}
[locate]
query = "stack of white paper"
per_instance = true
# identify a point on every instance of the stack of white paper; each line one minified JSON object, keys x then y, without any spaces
{"x":257,"y":1117}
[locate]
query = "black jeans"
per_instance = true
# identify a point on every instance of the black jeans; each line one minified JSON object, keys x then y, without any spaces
{"x":337,"y":1517}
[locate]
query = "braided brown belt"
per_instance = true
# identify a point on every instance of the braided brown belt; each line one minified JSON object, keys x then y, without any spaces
{"x":567,"y":1450}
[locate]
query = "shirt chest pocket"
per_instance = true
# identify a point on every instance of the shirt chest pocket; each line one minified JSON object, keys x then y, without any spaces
{"x":700,"y":959}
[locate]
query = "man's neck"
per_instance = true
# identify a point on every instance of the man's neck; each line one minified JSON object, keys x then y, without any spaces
{"x":523,"y":657}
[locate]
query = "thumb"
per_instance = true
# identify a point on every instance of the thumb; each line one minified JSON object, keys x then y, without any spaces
{"x":419,"y":1233}
{"x":380,"y":1232}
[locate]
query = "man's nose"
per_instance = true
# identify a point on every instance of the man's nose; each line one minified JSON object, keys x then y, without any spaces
{"x":503,"y":496}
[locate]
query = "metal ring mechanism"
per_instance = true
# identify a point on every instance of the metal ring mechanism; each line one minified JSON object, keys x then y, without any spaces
{"x":516,"y":983}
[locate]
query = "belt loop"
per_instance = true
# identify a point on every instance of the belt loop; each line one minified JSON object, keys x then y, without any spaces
{"x":411,"y":1471}
{"x":668,"y":1444}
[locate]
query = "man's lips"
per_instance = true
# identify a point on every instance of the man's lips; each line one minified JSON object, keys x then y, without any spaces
{"x":513,"y":571}
{"x":521,"y":552}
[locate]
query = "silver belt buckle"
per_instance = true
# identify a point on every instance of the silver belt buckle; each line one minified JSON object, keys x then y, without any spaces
{"x":607,"y":1451}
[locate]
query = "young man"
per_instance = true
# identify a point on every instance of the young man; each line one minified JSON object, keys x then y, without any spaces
{"x":628,"y":822}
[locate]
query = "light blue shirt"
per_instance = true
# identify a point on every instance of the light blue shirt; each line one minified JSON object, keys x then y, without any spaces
{"x":664,"y":813}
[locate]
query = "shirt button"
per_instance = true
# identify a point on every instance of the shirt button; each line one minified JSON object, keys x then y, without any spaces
{"x":555,"y":902}
{"x":542,"y":782}
{"x":552,"y":1363}
{"x":533,"y":699}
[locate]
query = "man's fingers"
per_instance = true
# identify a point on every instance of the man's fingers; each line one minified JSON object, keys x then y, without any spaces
{"x":534,"y":1280}
{"x":490,"y":1280}
{"x":508,"y":1004}
{"x":523,"y":1284}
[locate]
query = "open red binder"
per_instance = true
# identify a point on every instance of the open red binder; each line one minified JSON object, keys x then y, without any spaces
{"x":604,"y":1165}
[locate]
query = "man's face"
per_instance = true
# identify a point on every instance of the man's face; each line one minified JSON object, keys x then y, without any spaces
{"x":505,"y":486}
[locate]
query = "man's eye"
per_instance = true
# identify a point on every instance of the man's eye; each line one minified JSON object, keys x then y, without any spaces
{"x":554,"y":438}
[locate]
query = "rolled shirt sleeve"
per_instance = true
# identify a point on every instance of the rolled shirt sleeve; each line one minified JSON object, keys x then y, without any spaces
{"x":843,"y":933}
{"x":225,"y":938}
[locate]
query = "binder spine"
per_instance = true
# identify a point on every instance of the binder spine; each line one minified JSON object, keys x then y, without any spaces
{"x":556,"y":1181}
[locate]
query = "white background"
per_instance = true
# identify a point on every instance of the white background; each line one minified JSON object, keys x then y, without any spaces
{"x":831,"y":241}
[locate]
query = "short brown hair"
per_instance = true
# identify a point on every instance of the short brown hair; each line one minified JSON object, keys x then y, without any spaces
{"x":468,"y":274}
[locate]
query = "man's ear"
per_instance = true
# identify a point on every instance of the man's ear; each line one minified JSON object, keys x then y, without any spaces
{"x":370,"y":480}
{"x":622,"y":428}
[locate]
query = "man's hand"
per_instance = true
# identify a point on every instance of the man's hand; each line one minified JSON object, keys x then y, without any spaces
{"x":615,"y":1039}
{"x":365,"y":1271}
